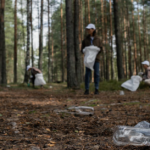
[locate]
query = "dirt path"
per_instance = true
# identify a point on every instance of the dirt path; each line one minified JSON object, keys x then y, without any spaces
{"x":29,"y":119}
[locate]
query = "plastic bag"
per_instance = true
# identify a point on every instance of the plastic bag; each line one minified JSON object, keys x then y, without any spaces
{"x":90,"y":55}
{"x":39,"y":80}
{"x":133,"y":83}
{"x":138,"y":135}
{"x":147,"y":81}
{"x":82,"y":110}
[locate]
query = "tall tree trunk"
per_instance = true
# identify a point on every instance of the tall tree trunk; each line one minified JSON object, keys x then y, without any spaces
{"x":15,"y":43}
{"x":118,"y":45}
{"x":62,"y":51}
{"x":71,"y":75}
{"x":89,"y":18}
{"x":106,"y":43}
{"x":2,"y":44}
{"x":81,"y":37}
{"x":135,"y":47}
{"x":128,"y":39}
{"x":76,"y":41}
{"x":32,"y":51}
{"x":27,"y":61}
{"x":49,"y":44}
{"x":111,"y":38}
{"x":144,"y":33}
{"x":103,"y":40}
{"x":41,"y":38}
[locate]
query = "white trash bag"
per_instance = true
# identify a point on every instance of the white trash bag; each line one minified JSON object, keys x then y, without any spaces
{"x":90,"y":55}
{"x":39,"y":80}
{"x":133,"y":83}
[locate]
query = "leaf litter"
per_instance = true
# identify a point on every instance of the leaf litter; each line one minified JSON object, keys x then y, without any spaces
{"x":29,"y":119}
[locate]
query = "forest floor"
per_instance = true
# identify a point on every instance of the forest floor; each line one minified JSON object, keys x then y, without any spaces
{"x":31,"y":118}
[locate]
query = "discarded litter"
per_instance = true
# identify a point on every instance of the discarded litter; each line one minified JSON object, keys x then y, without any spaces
{"x":138,"y":135}
{"x":8,"y":86}
{"x":121,"y":92}
{"x":50,"y":87}
{"x":82,"y":110}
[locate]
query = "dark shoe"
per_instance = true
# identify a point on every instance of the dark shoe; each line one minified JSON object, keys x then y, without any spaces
{"x":96,"y":92}
{"x":86,"y":92}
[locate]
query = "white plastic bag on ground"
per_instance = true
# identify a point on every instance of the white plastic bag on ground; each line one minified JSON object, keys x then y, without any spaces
{"x":138,"y":135}
{"x":90,"y":55}
{"x":39,"y":80}
{"x":133,"y":83}
{"x":147,"y":81}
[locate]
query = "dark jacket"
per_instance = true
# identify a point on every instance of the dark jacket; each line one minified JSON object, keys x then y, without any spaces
{"x":96,"y":42}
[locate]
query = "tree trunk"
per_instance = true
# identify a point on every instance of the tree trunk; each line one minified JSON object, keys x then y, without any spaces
{"x":128,"y":39}
{"x":41,"y":38}
{"x":118,"y":44}
{"x":2,"y":44}
{"x":144,"y":33}
{"x":76,"y":41}
{"x":103,"y":40}
{"x":32,"y":35}
{"x":27,"y":61}
{"x":135,"y":48}
{"x":62,"y":51}
{"x":71,"y":75}
{"x":49,"y":44}
{"x":106,"y":43}
{"x":89,"y":18}
{"x":110,"y":36}
{"x":15,"y":43}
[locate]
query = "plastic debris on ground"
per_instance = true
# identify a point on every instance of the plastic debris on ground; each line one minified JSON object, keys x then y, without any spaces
{"x":122,"y":93}
{"x":138,"y":135}
{"x":80,"y":110}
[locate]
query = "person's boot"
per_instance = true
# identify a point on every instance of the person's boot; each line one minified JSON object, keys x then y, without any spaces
{"x":96,"y":92}
{"x":86,"y":92}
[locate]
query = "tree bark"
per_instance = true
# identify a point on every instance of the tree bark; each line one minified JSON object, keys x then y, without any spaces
{"x":144,"y":33}
{"x":49,"y":44}
{"x":27,"y":61}
{"x":2,"y":45}
{"x":71,"y":74}
{"x":118,"y":45}
{"x":129,"y":44}
{"x":62,"y":51}
{"x":135,"y":47}
{"x":103,"y":70}
{"x":89,"y":17}
{"x":41,"y":38}
{"x":15,"y":43}
{"x":32,"y":50}
{"x":110,"y":36}
{"x":76,"y":41}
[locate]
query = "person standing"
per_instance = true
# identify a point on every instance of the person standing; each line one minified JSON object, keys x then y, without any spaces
{"x":92,"y":39}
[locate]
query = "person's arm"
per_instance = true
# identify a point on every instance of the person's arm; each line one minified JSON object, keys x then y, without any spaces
{"x":83,"y":46}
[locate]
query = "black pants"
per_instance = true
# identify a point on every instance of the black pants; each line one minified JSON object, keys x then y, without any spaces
{"x":32,"y":80}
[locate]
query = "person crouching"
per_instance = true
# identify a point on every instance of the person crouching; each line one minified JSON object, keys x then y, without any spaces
{"x":146,"y":74}
{"x":36,"y":76}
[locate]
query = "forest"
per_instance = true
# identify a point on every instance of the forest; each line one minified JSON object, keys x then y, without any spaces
{"x":48,"y":35}
{"x":34,"y":32}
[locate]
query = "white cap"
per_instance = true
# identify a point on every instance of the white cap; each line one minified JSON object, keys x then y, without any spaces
{"x":28,"y":67}
{"x":145,"y":62}
{"x":90,"y":26}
